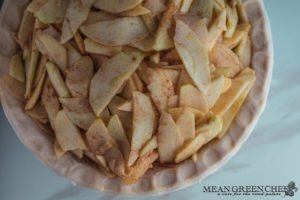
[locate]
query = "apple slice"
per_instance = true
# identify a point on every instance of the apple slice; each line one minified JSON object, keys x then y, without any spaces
{"x":78,"y":76}
{"x":232,"y":94}
{"x":192,"y":97}
{"x":50,"y":30}
{"x":183,"y":79}
{"x":216,"y":29}
{"x":110,"y":77}
{"x":35,"y":5}
{"x":161,"y":88}
{"x":25,"y":28}
{"x":155,"y":6}
{"x":76,"y":13}
{"x":142,"y":72}
{"x":222,"y":71}
{"x":205,"y":133}
{"x":79,"y":42}
{"x":203,"y":9}
{"x":222,"y":56}
{"x":177,"y":111}
{"x":98,"y":138}
{"x":173,"y":101}
{"x":241,"y":12}
{"x":52,"y":11}
{"x":140,"y":167}
{"x":169,"y":138}
{"x":102,"y":143}
{"x":244,"y":51}
{"x":98,"y":16}
{"x":93,"y":47}
{"x":137,"y":82}
{"x":197,"y":25}
{"x":215,"y":90}
{"x":116,"y":6}
{"x":79,"y":111}
{"x":232,"y":20}
{"x":185,"y":6}
{"x":33,"y":99}
{"x":155,"y":58}
{"x":72,"y":54}
{"x":219,"y":5}
{"x":67,"y":134}
{"x":126,"y":106}
{"x":136,"y":11}
{"x":227,"y":84}
{"x":105,"y":115}
{"x":56,"y":51}
{"x":194,"y":55}
{"x":149,"y":146}
{"x":40,"y":70}
{"x":162,"y":40}
{"x":115,"y":161}
{"x":151,"y":23}
{"x":231,"y":113}
{"x":101,"y":162}
{"x":115,"y":128}
{"x":143,"y":124}
{"x":57,"y":80}
{"x":133,"y":29}
{"x":186,"y":124}
{"x":145,"y":45}
{"x":242,"y":31}
{"x":172,"y":75}
{"x":30,"y":72}
{"x":125,"y":117}
{"x":128,"y":89}
{"x":49,"y":100}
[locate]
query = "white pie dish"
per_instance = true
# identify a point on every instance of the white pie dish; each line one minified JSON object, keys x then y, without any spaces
{"x":157,"y":180}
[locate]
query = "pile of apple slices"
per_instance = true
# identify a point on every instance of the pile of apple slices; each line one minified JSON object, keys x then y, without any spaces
{"x":129,"y":83}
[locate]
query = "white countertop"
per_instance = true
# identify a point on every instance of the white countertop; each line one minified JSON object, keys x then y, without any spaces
{"x":270,"y":156}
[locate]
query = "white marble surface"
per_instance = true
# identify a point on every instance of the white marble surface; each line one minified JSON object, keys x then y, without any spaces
{"x":270,"y":156}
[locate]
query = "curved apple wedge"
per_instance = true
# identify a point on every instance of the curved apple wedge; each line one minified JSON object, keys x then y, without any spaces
{"x":204,"y":133}
{"x":110,"y":77}
{"x":194,"y":55}
{"x":116,"y":32}
{"x":67,"y":134}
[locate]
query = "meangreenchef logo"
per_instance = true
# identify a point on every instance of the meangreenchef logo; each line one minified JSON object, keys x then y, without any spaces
{"x":253,"y":190}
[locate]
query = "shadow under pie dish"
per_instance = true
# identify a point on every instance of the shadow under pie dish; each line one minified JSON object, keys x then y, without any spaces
{"x":162,"y":177}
